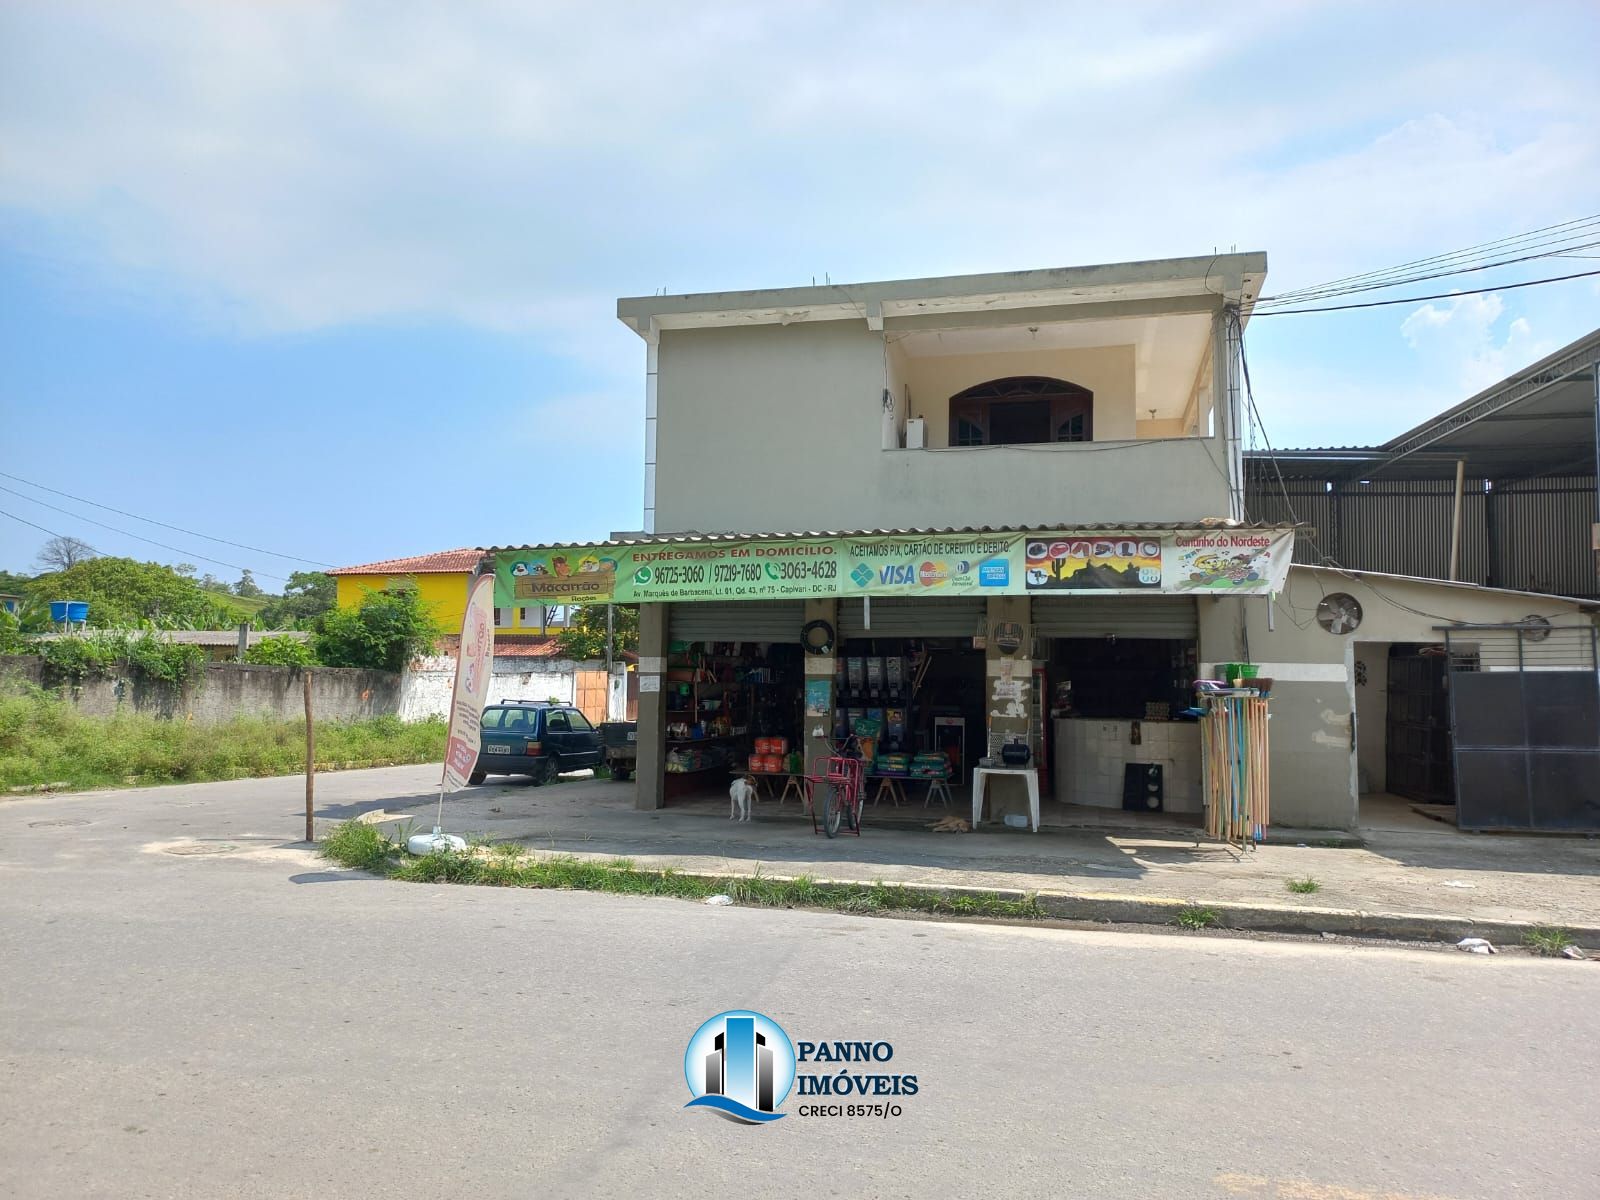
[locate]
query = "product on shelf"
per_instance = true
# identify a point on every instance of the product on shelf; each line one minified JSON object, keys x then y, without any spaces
{"x":892,"y":764}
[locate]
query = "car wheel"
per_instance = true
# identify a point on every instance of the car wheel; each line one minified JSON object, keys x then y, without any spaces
{"x":621,"y":774}
{"x":477,"y":777}
{"x":544,"y":772}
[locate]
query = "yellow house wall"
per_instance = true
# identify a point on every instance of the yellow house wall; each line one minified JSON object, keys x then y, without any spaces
{"x":444,"y":592}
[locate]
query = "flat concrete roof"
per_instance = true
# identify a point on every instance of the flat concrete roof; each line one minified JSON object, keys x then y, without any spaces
{"x":1110,"y":289}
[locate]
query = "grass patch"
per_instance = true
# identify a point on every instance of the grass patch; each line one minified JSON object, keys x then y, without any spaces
{"x":1303,"y":886}
{"x":507,"y":864}
{"x":1194,"y":917}
{"x":45,"y":740}
{"x":1547,"y":940}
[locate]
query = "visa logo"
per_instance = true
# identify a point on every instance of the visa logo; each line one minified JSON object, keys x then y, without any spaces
{"x":894,"y":575}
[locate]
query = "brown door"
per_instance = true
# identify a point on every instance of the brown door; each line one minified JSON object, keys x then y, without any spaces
{"x":592,"y":694}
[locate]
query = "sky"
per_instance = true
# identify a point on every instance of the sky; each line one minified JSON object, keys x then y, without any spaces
{"x":337,"y":281}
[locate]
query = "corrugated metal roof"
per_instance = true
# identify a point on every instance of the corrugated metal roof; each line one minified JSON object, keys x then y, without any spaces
{"x":1348,"y":573}
{"x":441,"y":562}
{"x":1204,"y":523}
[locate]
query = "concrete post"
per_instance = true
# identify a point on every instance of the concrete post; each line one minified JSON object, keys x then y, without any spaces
{"x":1009,"y":699}
{"x":1455,"y":521}
{"x":649,"y":782}
{"x":820,"y":667}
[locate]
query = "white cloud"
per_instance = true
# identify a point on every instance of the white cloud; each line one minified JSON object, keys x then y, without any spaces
{"x":1460,"y":339}
{"x":515,"y":167}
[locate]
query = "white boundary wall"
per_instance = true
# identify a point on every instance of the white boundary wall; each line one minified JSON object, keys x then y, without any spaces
{"x":426,"y":685}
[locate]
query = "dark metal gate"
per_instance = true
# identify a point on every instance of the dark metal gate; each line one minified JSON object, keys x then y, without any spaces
{"x":1417,"y":754}
{"x":1525,"y":704}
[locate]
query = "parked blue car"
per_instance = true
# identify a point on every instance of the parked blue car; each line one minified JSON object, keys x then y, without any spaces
{"x":535,"y":738}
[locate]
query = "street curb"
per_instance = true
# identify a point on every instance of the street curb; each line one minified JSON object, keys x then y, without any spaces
{"x":1251,"y":918}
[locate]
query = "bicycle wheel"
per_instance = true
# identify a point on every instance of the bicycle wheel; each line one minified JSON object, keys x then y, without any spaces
{"x":832,"y":810}
{"x":852,"y":814}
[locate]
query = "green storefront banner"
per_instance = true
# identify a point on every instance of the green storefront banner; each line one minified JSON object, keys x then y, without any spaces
{"x":1219,"y":562}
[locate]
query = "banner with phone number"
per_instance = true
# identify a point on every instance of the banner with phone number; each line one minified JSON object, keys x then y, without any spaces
{"x":1221,"y":561}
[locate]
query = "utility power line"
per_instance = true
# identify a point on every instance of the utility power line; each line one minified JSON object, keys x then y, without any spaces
{"x":129,"y":533}
{"x":163,"y":524}
{"x":1577,"y":229}
{"x":1501,"y":287}
{"x":1421,"y":277}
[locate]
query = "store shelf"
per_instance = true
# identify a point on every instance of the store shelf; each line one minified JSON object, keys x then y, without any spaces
{"x":721,"y":737}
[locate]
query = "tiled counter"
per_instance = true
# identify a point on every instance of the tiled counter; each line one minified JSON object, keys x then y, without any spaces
{"x":1090,"y":753}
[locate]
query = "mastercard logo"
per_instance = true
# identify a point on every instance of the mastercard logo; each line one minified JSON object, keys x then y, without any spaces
{"x":931,"y":573}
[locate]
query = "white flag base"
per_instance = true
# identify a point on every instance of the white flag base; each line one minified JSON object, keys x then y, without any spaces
{"x":429,"y":843}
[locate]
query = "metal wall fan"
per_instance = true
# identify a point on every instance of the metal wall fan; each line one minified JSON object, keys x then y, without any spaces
{"x":1539,"y":634}
{"x":1339,"y":612}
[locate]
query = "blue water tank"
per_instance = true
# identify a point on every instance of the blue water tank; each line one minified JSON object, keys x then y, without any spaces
{"x":73,"y":612}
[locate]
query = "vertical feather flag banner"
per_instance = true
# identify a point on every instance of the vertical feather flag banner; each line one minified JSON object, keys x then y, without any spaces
{"x":474,"y":660}
{"x":473,"y":664}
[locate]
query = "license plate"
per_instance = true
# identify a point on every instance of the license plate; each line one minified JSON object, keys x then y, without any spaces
{"x":493,"y":749}
{"x":633,"y":735}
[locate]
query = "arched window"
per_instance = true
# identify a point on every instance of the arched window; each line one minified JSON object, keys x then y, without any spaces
{"x":1020,"y":411}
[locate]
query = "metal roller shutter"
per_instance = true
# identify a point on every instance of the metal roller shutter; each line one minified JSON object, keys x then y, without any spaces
{"x":738,"y":621}
{"x":1124,"y":616}
{"x":904,"y":616}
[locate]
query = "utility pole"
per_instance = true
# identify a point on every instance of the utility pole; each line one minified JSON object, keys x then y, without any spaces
{"x":311,"y":758}
{"x":611,"y":637}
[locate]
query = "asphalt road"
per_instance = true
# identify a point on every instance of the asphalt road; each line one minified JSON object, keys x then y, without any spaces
{"x":191,"y":1007}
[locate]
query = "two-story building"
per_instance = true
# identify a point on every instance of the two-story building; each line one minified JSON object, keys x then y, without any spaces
{"x":970,"y":511}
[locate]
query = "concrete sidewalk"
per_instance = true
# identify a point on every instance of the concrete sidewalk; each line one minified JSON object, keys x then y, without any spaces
{"x":1406,"y":883}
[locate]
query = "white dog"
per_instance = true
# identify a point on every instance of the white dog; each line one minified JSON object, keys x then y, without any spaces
{"x":741,"y":793}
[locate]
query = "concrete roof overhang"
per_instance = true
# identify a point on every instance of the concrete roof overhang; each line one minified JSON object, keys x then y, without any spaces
{"x":1156,"y":287}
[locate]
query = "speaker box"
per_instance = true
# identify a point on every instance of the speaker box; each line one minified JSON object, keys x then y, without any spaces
{"x":1143,"y":788}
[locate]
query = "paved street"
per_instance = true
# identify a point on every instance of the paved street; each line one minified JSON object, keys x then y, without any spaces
{"x":192,"y":1006}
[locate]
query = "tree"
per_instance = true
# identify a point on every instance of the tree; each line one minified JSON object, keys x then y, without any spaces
{"x":384,"y":633}
{"x":187,"y":570}
{"x":281,"y":652}
{"x":306,"y":597}
{"x":64,"y":553}
{"x":13,"y":584}
{"x":247,"y":585}
{"x":585,"y":638}
{"x":122,"y":592}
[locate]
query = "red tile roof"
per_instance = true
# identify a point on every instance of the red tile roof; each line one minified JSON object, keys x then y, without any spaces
{"x":443,"y":562}
{"x":509,"y":645}
{"x":512,"y":646}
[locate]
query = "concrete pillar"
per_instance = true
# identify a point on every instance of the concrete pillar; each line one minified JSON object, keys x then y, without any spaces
{"x":649,"y":781}
{"x":1009,"y":699}
{"x":820,"y":667}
